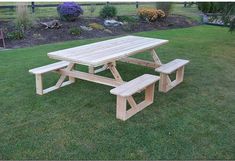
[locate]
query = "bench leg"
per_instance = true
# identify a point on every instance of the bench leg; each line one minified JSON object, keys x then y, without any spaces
{"x":60,"y":82}
{"x":39,"y":84}
{"x":123,"y":114}
{"x":121,"y":108}
{"x":165,"y":84}
{"x":180,"y":75}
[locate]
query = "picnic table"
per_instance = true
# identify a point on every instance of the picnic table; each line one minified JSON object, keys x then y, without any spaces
{"x":104,"y":55}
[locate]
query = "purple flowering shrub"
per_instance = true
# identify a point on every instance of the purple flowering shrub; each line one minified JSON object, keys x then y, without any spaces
{"x":69,"y":11}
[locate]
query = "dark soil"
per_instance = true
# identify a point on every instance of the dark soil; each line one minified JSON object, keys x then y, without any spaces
{"x":39,"y":35}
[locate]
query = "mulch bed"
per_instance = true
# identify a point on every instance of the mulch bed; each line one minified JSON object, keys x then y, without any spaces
{"x":39,"y":35}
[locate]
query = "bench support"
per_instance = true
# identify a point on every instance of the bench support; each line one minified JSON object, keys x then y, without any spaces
{"x":166,"y":84}
{"x":60,"y":83}
{"x":121,"y":110}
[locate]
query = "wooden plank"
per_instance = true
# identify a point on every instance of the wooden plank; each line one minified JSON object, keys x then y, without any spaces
{"x":135,"y":85}
{"x":119,"y":54}
{"x":121,"y":108}
{"x":139,"y":62}
{"x":48,"y":68}
{"x":172,"y":66}
{"x":137,"y":109}
{"x":155,"y":57}
{"x":63,"y":77}
{"x":55,"y":87}
{"x":91,"y":77}
{"x":39,"y":84}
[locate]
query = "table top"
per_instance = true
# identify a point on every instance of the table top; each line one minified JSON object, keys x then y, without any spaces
{"x":107,"y":51}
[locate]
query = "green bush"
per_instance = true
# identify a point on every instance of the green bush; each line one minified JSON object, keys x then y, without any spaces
{"x":75,"y":31}
{"x":108,"y":11}
{"x":15,"y":35}
{"x":129,"y":19}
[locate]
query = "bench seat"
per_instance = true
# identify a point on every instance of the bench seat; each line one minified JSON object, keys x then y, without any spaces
{"x":135,"y":85}
{"x":165,"y":83}
{"x":125,"y":91}
{"x":49,"y":68}
{"x":172,"y":66}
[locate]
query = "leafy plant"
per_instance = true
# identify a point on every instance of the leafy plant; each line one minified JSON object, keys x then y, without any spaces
{"x":108,"y":11}
{"x":96,"y":26}
{"x":15,"y":35}
{"x":69,"y":11}
{"x":131,"y":26}
{"x":164,"y":6}
{"x":150,"y":14}
{"x":75,"y":31}
{"x":129,"y":19}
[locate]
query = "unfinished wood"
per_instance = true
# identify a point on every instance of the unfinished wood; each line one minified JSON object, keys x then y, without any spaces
{"x":106,"y":51}
{"x":172,"y":66}
{"x":122,"y":112}
{"x":49,"y":68}
{"x":91,"y":77}
{"x":136,"y":109}
{"x":50,"y":89}
{"x":115,"y":72}
{"x":63,"y":76}
{"x":140,"y":62}
{"x":39,"y":85}
{"x":121,"y":108}
{"x":165,"y":83}
{"x":155,"y":57}
{"x":149,"y":93}
{"x":134,"y":85}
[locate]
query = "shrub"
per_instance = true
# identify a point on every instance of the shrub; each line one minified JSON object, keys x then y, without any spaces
{"x":150,"y":14}
{"x":15,"y":35}
{"x":69,"y":11}
{"x":108,"y":11}
{"x":165,"y":6}
{"x":23,"y":18}
{"x":129,"y":19}
{"x":131,"y":26}
{"x":75,"y":31}
{"x":96,"y":26}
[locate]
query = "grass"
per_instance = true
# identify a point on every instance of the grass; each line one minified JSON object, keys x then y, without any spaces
{"x":193,"y":121}
{"x":128,"y":9}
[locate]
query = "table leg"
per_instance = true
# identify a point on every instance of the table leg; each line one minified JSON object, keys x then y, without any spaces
{"x":63,"y":77}
{"x":155,"y":57}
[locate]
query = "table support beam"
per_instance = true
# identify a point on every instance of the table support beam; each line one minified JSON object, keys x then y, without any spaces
{"x":91,"y":77}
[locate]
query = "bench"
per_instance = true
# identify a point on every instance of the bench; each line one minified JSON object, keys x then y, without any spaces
{"x":49,"y":68}
{"x":165,"y":70}
{"x":125,"y":91}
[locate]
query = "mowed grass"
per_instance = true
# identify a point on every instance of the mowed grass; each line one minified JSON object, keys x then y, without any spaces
{"x":193,"y":121}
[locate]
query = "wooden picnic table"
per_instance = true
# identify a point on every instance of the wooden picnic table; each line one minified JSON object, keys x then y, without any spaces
{"x":105,"y":54}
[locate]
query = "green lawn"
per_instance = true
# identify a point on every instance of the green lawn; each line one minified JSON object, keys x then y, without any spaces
{"x":127,"y":9}
{"x":193,"y":121}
